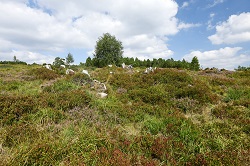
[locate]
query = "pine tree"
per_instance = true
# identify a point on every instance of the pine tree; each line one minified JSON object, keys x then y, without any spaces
{"x":195,"y":64}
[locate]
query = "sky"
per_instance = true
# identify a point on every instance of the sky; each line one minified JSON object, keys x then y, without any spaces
{"x":216,"y":31}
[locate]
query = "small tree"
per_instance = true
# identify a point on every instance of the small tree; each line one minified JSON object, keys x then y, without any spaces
{"x":108,"y":50}
{"x":195,"y":65}
{"x":69,"y":59}
{"x":14,"y":59}
{"x":88,"y":62}
{"x":58,"y":61}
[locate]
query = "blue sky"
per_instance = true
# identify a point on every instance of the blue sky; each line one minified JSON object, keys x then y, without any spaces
{"x":216,"y":31}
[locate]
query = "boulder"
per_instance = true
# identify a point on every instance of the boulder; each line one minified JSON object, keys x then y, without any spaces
{"x":70,"y":72}
{"x":149,"y":70}
{"x":98,"y":86}
{"x":48,"y":67}
{"x":62,"y":66}
{"x":123,"y":65}
{"x":85,"y":72}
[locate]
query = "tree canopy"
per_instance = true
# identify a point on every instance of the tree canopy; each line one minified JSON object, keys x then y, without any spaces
{"x":108,"y":50}
{"x":69,"y":59}
{"x":195,"y":65}
{"x":58,"y":61}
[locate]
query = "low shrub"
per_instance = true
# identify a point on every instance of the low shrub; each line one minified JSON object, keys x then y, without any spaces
{"x":44,"y":74}
{"x":64,"y":100}
{"x":80,"y":79}
{"x":20,"y":133}
{"x":60,"y":86}
{"x":14,"y":107}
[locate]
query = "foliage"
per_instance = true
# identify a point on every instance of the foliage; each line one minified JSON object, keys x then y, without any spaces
{"x":13,"y":62}
{"x":43,"y":73}
{"x":167,"y":117}
{"x":58,"y":61}
{"x":195,"y":64}
{"x":108,"y":50}
{"x":88,"y":62}
{"x":161,"y":63}
{"x":69,"y":59}
{"x":242,"y":68}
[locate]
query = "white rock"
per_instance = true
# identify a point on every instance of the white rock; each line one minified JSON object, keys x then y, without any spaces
{"x":110,"y":65}
{"x":48,"y":67}
{"x":85,"y":72}
{"x":70,"y":71}
{"x":123,"y":65}
{"x":63,"y":66}
{"x":102,"y":95}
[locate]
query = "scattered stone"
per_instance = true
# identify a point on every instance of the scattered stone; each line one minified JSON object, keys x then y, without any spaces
{"x":70,"y":72}
{"x":129,"y":67}
{"x":48,"y":67}
{"x":85,"y":72}
{"x":148,"y":70}
{"x":123,"y":65}
{"x":98,"y":86}
{"x":62,"y":66}
{"x":102,"y":95}
{"x":121,"y":90}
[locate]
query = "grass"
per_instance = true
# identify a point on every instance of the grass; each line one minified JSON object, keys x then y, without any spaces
{"x":169,"y":117}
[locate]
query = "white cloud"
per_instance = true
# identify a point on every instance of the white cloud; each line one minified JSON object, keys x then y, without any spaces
{"x":235,"y":30}
{"x":146,"y":47}
{"x":27,"y":56}
{"x":210,"y":26}
{"x":228,"y":58}
{"x":34,"y":29}
{"x":184,"y":5}
{"x":59,"y":25}
{"x":187,"y":25}
{"x":216,"y":2}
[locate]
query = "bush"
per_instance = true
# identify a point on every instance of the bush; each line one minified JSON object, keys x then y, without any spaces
{"x":19,"y":133}
{"x":60,"y":86}
{"x":64,"y":100}
{"x":44,"y":74}
{"x":14,"y":107}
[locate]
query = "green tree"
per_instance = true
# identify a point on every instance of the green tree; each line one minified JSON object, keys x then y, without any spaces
{"x":108,"y":50}
{"x":58,"y":61}
{"x":69,"y":59}
{"x":14,"y":59}
{"x":88,"y":62}
{"x":195,"y":65}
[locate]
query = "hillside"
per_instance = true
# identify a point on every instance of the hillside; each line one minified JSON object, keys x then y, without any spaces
{"x":166,"y":117}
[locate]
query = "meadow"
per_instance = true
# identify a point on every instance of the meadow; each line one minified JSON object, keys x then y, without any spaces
{"x":167,"y":117}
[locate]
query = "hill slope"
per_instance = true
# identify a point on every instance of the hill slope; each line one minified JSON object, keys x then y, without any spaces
{"x":167,"y":117}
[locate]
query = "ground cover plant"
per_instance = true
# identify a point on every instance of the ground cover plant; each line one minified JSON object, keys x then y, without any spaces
{"x":167,"y":117}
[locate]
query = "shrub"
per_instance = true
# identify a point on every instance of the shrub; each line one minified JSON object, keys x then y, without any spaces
{"x":154,"y":125}
{"x":14,"y":107}
{"x":64,"y":100}
{"x":60,"y":86}
{"x":43,"y":73}
{"x":19,"y":133}
{"x":80,"y":79}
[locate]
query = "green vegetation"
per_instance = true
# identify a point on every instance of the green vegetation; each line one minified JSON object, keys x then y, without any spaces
{"x":69,"y":59}
{"x":108,"y":50}
{"x":162,"y":63}
{"x":167,"y":117}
